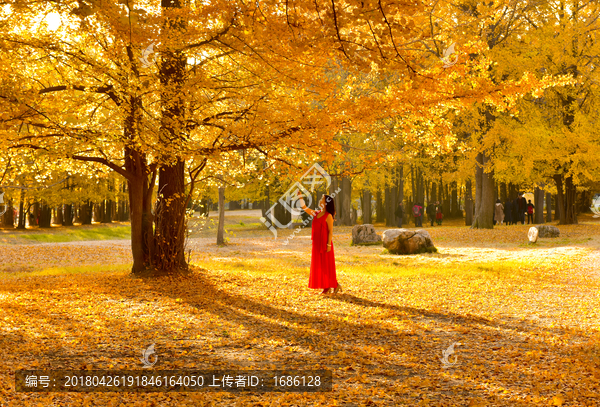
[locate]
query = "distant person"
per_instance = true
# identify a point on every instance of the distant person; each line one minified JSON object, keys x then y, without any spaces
{"x":499,"y":213}
{"x":521,"y":207}
{"x":530,"y":208}
{"x":439,"y":215}
{"x":417,"y":214}
{"x":322,"y":261}
{"x":508,"y":210}
{"x":515,"y":216}
{"x":431,"y":212}
{"x":399,"y":214}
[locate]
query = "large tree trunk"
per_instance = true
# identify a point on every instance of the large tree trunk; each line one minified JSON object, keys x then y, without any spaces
{"x":484,"y":195}
{"x":169,"y":235}
{"x":221,"y":227}
{"x":138,"y":244}
{"x":170,"y":222}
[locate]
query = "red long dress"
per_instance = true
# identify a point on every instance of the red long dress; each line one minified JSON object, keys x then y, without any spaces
{"x":322,"y":262}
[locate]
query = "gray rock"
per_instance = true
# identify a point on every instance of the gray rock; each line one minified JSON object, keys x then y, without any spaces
{"x":547,"y":231}
{"x":365,"y":235}
{"x":405,"y":241}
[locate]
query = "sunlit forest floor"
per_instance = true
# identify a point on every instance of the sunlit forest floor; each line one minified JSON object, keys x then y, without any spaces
{"x":527,"y":317}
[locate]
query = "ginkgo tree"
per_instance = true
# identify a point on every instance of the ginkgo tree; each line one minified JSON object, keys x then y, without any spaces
{"x":224,"y":75}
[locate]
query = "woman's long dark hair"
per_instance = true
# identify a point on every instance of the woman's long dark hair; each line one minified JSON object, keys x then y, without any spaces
{"x":330,"y":205}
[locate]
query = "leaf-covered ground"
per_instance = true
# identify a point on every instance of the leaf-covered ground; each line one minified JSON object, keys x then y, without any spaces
{"x":527,"y":318}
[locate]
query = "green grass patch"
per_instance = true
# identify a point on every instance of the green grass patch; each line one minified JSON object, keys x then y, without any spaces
{"x":64,"y":234}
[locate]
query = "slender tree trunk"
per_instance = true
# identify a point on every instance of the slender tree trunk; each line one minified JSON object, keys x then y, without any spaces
{"x":393,"y":205}
{"x":221,"y":227}
{"x":8,"y":219}
{"x":401,"y":184}
{"x":58,"y":219}
{"x":454,"y":201}
{"x":346,"y":201}
{"x":503,"y":192}
{"x":570,"y":202}
{"x":548,"y":207}
{"x":379,"y":213}
{"x":21,"y":223}
{"x":538,"y":197}
{"x":85,"y":213}
{"x":388,"y":218}
{"x":366,"y":207}
{"x":468,"y":204}
{"x":45,"y":216}
{"x":68,"y":215}
{"x":413,"y":183}
{"x":420,"y":189}
{"x":446,"y":204}
{"x":484,"y":190}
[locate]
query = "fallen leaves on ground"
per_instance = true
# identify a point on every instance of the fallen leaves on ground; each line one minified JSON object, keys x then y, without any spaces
{"x":529,"y":330}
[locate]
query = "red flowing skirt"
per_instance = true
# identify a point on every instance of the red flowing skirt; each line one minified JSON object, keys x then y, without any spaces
{"x":322,"y":262}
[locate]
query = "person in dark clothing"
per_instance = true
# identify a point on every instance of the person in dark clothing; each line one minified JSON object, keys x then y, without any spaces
{"x":516,"y":216}
{"x":439,"y":215}
{"x":530,"y":208}
{"x":418,"y":214}
{"x":399,"y":214}
{"x":508,"y":212}
{"x":521,"y":207}
{"x":431,"y":212}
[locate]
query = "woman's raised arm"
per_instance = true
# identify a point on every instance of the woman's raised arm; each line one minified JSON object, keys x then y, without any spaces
{"x":304,"y":207}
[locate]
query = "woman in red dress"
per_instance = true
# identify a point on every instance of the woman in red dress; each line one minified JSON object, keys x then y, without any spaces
{"x":322,"y":262}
